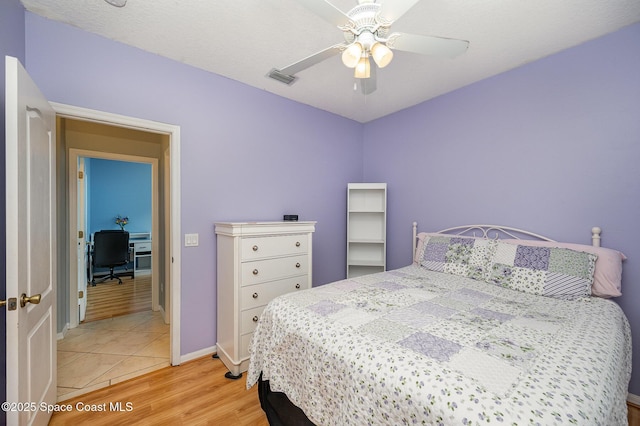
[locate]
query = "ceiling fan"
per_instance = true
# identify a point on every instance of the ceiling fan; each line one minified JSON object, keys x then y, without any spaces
{"x":366,"y":30}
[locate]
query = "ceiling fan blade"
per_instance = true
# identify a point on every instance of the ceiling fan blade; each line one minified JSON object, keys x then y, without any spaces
{"x":427,"y":45}
{"x":391,"y":10}
{"x":326,"y":11}
{"x":309,"y":61}
{"x":369,"y":85}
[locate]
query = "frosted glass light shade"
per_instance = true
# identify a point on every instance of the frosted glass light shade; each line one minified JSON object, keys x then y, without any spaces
{"x":363,"y":69}
{"x":352,"y":55}
{"x":381,"y":54}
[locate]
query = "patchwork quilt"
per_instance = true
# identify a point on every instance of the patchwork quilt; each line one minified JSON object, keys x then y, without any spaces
{"x":416,"y":346}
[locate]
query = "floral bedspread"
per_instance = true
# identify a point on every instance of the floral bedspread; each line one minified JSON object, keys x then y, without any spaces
{"x":413,"y":346}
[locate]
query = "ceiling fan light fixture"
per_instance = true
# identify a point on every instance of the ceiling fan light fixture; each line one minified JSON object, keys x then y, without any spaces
{"x":352,"y":54}
{"x":363,"y":69}
{"x":367,"y":33}
{"x":382,"y":55}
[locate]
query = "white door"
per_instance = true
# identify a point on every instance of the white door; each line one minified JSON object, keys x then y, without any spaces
{"x":31,"y":252}
{"x":81,"y":249}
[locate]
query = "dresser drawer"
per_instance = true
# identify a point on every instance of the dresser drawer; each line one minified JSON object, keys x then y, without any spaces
{"x":249,"y":319}
{"x":260,"y":294}
{"x":272,"y":269}
{"x":281,"y":245}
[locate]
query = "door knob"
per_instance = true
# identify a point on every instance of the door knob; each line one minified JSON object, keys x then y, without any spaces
{"x":35,"y":299}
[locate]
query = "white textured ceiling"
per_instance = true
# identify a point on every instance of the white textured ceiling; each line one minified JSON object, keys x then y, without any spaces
{"x":244,"y":39}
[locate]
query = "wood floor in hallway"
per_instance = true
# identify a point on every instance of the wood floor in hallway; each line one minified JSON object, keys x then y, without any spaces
{"x":110,"y":299}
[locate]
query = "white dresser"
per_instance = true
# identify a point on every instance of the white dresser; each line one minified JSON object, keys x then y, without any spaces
{"x":257,"y":261}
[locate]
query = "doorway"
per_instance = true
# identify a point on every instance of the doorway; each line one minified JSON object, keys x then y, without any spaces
{"x":166,"y":219}
{"x":112,"y":186}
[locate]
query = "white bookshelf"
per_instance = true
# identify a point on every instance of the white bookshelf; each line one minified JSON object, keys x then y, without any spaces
{"x":366,"y":228}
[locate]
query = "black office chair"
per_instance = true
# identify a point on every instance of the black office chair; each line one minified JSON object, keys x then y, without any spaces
{"x":110,"y":249}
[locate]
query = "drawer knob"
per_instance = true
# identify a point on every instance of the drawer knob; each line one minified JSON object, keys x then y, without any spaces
{"x":297,"y":285}
{"x":255,"y":272}
{"x":255,"y":248}
{"x":255,"y":318}
{"x":297,"y":243}
{"x":255,"y":295}
{"x":297,"y":264}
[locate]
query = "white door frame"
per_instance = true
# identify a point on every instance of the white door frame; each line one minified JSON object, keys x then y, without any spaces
{"x":72,"y":163}
{"x":81,"y":252}
{"x":173,"y":257}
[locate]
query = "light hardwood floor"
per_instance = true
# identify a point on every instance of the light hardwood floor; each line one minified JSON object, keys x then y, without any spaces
{"x":110,"y":299}
{"x":195,"y":393}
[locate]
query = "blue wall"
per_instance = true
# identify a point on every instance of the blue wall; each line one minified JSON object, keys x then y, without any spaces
{"x":118,"y":188}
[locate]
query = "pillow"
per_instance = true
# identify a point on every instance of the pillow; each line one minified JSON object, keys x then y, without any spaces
{"x":607,"y":279}
{"x":458,"y":255}
{"x":547,"y":271}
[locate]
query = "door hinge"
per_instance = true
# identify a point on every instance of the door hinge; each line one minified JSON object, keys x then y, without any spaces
{"x":80,"y":234}
{"x":80,"y":294}
{"x":80,"y":174}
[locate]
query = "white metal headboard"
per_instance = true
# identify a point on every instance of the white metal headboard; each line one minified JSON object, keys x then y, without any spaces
{"x":497,"y":230}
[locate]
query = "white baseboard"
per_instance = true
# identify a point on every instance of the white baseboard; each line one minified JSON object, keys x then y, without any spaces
{"x":634,"y":399}
{"x":64,"y":331}
{"x":198,"y":354}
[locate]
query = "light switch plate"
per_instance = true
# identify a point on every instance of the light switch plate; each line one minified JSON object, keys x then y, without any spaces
{"x":190,"y":240}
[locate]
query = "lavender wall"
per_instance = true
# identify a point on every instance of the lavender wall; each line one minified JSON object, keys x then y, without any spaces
{"x":553,"y":146}
{"x":246,"y":154}
{"x":11,"y":43}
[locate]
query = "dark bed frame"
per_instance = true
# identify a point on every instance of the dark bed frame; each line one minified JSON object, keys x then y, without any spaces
{"x":279,"y":409}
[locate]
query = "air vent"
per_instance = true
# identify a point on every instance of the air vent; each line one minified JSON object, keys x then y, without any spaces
{"x":282,"y":78}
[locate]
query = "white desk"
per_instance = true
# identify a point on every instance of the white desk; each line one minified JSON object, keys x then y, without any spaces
{"x":140,"y":242}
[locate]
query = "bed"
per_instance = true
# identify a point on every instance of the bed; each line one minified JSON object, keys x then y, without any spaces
{"x":488,"y":324}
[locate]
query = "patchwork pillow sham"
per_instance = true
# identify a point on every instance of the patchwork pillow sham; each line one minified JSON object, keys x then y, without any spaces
{"x":607,"y":278}
{"x":548,"y":271}
{"x":457,"y":255}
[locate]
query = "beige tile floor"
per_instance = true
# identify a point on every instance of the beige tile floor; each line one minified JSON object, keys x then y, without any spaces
{"x":102,"y":353}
